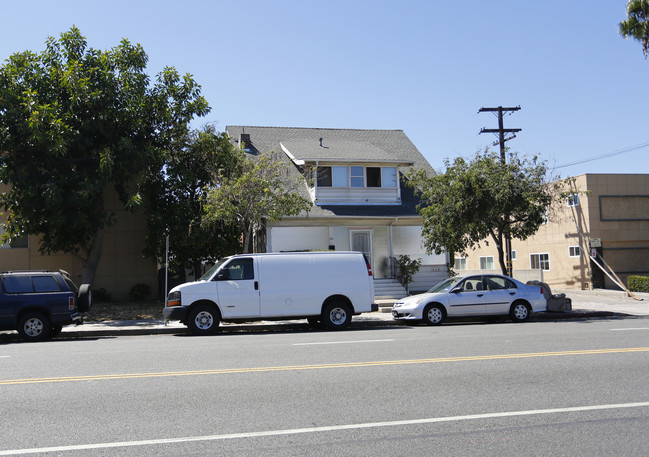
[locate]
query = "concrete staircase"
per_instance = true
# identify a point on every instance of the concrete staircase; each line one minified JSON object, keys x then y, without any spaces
{"x":387,"y":292}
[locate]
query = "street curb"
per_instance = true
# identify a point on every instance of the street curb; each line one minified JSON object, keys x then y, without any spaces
{"x":155,"y":327}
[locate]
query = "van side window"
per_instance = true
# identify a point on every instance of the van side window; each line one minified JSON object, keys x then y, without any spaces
{"x":241,"y":269}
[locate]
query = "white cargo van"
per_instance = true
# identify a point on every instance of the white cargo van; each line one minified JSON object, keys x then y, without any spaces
{"x":326,"y":287}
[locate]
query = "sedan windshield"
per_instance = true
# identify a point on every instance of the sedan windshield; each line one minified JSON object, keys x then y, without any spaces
{"x":445,"y":286}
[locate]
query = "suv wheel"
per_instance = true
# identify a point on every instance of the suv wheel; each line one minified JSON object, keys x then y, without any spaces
{"x":35,"y":326}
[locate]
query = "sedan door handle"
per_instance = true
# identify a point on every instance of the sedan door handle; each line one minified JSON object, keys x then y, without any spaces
{"x":480,"y":295}
{"x":512,"y":293}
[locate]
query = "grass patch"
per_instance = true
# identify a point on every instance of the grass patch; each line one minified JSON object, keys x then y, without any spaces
{"x":124,"y":311}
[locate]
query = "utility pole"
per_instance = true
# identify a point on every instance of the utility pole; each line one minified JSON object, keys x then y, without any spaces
{"x":501,"y":142}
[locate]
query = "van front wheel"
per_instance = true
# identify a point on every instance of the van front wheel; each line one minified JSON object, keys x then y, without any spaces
{"x":336,"y":315}
{"x":203,"y":320}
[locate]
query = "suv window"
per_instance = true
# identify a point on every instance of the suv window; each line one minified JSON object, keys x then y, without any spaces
{"x":17,"y":284}
{"x":45,"y":284}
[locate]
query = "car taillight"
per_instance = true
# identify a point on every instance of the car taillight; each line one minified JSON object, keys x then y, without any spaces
{"x":541,"y":290}
{"x":71,"y":304}
{"x":369,"y":269}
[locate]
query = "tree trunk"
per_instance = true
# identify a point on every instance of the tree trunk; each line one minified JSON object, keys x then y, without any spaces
{"x":498,"y":240}
{"x":92,"y":261}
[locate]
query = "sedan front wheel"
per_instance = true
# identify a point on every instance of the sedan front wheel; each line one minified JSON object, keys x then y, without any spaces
{"x":433,"y":314}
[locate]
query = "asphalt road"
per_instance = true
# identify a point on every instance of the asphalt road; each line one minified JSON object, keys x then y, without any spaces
{"x":466,"y":388}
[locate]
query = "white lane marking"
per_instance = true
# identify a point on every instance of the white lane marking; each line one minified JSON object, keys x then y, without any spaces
{"x":340,"y":342}
{"x":296,"y":431}
{"x":624,"y":329}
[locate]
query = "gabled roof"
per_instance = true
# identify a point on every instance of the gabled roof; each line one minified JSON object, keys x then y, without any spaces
{"x":303,"y":145}
{"x":338,"y":145}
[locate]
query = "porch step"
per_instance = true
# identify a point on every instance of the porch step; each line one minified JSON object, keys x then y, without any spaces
{"x":388,"y":289}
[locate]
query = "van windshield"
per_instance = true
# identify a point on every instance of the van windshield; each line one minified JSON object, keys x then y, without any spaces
{"x":210,"y":273}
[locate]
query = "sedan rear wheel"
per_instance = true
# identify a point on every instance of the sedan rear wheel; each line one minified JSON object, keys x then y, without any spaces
{"x":433,"y":314}
{"x":520,"y":311}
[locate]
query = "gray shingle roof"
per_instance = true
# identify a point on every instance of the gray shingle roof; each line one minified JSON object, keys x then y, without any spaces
{"x":340,"y":145}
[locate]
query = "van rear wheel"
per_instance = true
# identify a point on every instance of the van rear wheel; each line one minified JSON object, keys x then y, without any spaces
{"x":203,"y":320}
{"x":336,"y":315}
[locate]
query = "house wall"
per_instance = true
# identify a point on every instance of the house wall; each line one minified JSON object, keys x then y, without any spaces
{"x":625,"y":240}
{"x":406,"y":240}
{"x":121,"y":265}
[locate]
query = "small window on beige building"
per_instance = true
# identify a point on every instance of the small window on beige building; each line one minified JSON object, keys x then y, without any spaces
{"x":487,"y":263}
{"x":460,"y":263}
{"x":574,"y":251}
{"x":540,"y":262}
{"x":573,"y":200}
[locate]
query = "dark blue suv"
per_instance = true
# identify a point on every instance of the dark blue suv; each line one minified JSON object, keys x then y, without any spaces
{"x":39,"y":303}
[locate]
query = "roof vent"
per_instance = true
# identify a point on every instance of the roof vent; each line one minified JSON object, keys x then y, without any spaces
{"x":321,"y":142}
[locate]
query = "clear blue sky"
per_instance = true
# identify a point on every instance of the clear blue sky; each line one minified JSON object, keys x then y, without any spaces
{"x":425,"y":67}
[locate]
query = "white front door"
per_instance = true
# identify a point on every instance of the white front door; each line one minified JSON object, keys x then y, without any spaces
{"x":361,"y":241}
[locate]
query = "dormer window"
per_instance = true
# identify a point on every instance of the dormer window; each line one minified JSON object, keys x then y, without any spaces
{"x":357,"y":176}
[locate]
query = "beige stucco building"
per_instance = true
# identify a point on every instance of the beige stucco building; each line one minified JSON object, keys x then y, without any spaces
{"x":608,"y":213}
{"x":120,"y":268}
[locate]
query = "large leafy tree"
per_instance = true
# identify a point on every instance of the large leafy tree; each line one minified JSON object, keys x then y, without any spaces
{"x":75,"y":124}
{"x":175,"y":197}
{"x":260,"y":192}
{"x":637,"y":23}
{"x":482,"y":200}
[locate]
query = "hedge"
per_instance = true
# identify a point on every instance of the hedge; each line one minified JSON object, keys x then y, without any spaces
{"x":638,"y":283}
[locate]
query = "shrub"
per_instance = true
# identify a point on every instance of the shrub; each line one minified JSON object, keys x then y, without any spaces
{"x":101,"y":295}
{"x":406,"y":270}
{"x":638,"y":283}
{"x":139,"y":291}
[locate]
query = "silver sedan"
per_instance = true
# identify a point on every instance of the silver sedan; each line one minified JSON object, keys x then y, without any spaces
{"x":475,"y":295}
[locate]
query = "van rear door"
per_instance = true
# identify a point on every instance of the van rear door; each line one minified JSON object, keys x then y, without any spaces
{"x":238,"y":288}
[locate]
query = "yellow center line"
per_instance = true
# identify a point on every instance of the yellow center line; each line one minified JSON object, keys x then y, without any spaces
{"x":103,"y":377}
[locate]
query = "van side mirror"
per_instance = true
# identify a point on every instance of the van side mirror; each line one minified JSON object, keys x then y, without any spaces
{"x":223,"y":275}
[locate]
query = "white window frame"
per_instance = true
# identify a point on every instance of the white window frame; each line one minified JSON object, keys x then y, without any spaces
{"x":341,"y":177}
{"x":541,"y":262}
{"x":574,"y":251}
{"x":487,"y":261}
{"x":572,"y":200}
{"x":462,"y":263}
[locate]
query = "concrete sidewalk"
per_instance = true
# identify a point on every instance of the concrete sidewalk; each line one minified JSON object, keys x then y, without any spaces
{"x":585,"y":304}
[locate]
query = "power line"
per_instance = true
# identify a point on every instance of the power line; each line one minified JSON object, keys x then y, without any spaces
{"x":602,"y":156}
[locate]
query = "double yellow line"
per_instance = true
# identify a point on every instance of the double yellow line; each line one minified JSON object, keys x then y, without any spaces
{"x":104,"y":377}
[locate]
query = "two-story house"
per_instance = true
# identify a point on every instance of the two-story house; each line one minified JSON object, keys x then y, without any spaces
{"x":356,"y":181}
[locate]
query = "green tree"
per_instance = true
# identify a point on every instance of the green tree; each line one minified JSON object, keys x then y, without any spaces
{"x":260,"y":192}
{"x":75,"y":124}
{"x":637,"y":23}
{"x":481,"y":200}
{"x":175,"y":197}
